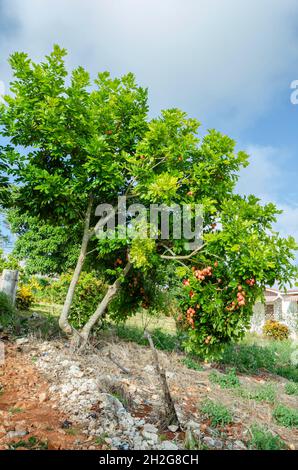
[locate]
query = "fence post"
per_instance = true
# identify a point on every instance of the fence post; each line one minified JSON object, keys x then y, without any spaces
{"x":9,"y":283}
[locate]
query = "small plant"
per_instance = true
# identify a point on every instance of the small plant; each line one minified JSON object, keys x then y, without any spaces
{"x":275,"y":330}
{"x":33,"y":443}
{"x":24,"y":298}
{"x":7,"y":311}
{"x":229,"y":380}
{"x":192,"y":364}
{"x":14,"y":410}
{"x":286,"y":416}
{"x":266,"y":392}
{"x":217,"y":413}
{"x":263,"y":439}
{"x":291,"y":388}
{"x":101,"y":440}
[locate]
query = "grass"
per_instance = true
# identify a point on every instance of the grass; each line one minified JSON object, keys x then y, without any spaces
{"x":266,"y":393}
{"x":263,"y":439}
{"x":286,"y":416}
{"x":161,"y":339}
{"x":31,"y":444}
{"x":192,"y":364}
{"x":229,"y":380}
{"x":254,"y":354}
{"x":291,"y":388}
{"x":216,"y":412}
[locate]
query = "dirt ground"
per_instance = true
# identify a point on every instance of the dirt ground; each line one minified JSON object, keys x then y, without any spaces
{"x":27,"y":419}
{"x":31,"y":416}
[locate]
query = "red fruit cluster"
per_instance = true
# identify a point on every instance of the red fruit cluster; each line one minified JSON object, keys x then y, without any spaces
{"x":186,"y":282}
{"x":250,"y":282}
{"x":189,"y":316}
{"x":241,"y":296}
{"x":202,"y":274}
{"x":208,"y":339}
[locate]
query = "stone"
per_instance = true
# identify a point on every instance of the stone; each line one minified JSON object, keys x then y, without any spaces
{"x":150,"y":436}
{"x":42,"y":397}
{"x":168,"y":445}
{"x":173,"y":428}
{"x":21,"y":341}
{"x":150,"y":428}
{"x":214,"y":443}
{"x":14,"y":434}
{"x":239,"y":445}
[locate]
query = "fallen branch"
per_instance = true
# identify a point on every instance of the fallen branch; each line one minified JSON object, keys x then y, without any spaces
{"x":113,"y":360}
{"x":170,"y":412}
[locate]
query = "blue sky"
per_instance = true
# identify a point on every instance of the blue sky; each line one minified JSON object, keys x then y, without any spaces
{"x":229,"y":63}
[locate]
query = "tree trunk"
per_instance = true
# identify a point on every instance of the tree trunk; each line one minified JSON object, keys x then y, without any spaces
{"x":63,"y":320}
{"x":112,"y":291}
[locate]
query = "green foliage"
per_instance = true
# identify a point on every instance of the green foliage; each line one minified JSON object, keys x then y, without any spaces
{"x":192,"y":364}
{"x":162,"y":340}
{"x":263,"y":439}
{"x":25,"y":297}
{"x":229,"y":380}
{"x":7,"y":311}
{"x":266,"y":392}
{"x":291,"y":388}
{"x":274,"y":329}
{"x":9,"y":262}
{"x":217,"y":413}
{"x":89,"y":292}
{"x":274,"y":357}
{"x":47,"y":249}
{"x":286,"y":416}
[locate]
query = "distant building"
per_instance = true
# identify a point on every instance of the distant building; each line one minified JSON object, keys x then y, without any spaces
{"x":280,"y":306}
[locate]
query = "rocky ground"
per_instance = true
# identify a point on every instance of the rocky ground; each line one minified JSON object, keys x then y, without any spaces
{"x":86,"y":401}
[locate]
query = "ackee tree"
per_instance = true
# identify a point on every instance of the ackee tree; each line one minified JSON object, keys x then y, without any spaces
{"x":87,"y":146}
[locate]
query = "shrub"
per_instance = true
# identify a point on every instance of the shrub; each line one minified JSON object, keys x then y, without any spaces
{"x":275,"y":330}
{"x":7,"y":311}
{"x":262,"y":439}
{"x":229,"y":380}
{"x":217,"y":413}
{"x":24,"y":298}
{"x":249,"y":358}
{"x":192,"y":364}
{"x":286,"y":416}
{"x":291,"y":388}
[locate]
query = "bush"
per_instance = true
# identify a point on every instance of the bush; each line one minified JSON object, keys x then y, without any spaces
{"x":249,"y":358}
{"x":275,"y":330}
{"x":262,"y":439}
{"x":192,"y":364}
{"x":286,"y":416}
{"x":7,"y":311}
{"x":25,"y":297}
{"x":217,"y":413}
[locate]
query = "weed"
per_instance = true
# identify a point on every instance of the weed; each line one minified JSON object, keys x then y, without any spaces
{"x":263,"y":439}
{"x":291,"y":388}
{"x":32,"y":444}
{"x":216,"y":412}
{"x":192,"y":364}
{"x":266,"y":392}
{"x":13,"y":410}
{"x":229,"y":380}
{"x":286,"y":416}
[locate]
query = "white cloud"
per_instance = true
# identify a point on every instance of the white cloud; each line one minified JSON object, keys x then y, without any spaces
{"x":210,"y":57}
{"x":268,"y":178}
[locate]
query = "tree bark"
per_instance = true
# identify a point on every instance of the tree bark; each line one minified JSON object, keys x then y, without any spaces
{"x":99,"y":312}
{"x":63,"y":320}
{"x":170,"y":412}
